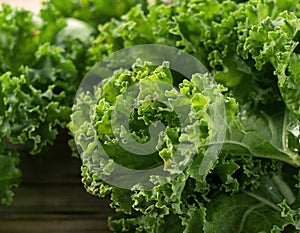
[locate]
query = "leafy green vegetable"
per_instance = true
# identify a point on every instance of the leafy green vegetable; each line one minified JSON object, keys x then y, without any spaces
{"x":153,"y":209}
{"x":94,"y":12}
{"x":251,"y":48}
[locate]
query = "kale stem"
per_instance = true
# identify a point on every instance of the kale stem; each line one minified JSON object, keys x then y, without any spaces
{"x":284,"y":156}
{"x":284,"y":189}
{"x":283,"y":136}
{"x":247,"y":213}
{"x":263,"y":200}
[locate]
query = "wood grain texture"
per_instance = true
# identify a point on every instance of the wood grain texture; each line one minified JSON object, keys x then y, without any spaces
{"x":51,"y":197}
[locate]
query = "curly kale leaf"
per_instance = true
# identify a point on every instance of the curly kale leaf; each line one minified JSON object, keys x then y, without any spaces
{"x":10,"y":175}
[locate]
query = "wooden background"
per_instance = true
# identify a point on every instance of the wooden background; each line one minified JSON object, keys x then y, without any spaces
{"x":52,"y":199}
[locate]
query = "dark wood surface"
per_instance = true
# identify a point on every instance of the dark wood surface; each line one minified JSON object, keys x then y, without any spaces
{"x":52,"y":199}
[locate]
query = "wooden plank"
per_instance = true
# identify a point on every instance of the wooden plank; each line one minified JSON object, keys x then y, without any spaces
{"x":55,"y":198}
{"x":54,"y":165}
{"x":54,"y":223}
{"x":55,"y":208}
{"x":52,"y":198}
